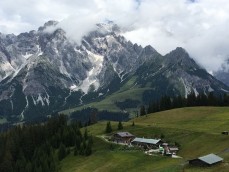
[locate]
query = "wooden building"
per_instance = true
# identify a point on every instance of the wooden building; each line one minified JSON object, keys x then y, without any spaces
{"x":173,"y":149}
{"x":207,"y":160}
{"x":225,"y":132}
{"x":123,"y":137}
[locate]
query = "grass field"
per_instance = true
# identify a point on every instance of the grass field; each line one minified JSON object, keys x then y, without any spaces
{"x":109,"y":102}
{"x":197,"y":130}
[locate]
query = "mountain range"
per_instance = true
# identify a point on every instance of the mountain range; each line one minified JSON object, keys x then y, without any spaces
{"x":223,"y":73}
{"x":43,"y":71}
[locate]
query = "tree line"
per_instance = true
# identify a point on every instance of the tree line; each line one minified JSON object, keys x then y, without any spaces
{"x":40,"y":147}
{"x":90,"y":116}
{"x":166,"y":102}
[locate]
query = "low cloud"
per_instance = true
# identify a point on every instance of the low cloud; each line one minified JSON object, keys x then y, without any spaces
{"x":200,"y":26}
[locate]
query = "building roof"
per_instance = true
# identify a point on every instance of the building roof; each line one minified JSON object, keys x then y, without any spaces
{"x":125,"y":134}
{"x":210,"y":159}
{"x":149,"y":141}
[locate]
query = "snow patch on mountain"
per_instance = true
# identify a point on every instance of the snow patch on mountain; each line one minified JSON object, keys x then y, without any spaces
{"x":46,"y":98}
{"x":66,"y":98}
{"x":225,"y":90}
{"x":41,"y":99}
{"x":73,"y":87}
{"x":118,"y":71}
{"x":27,"y":55}
{"x":91,"y":79}
{"x":187,"y":87}
{"x":210,"y":89}
{"x":26,"y":106}
{"x":12,"y":105}
{"x":63,"y":69}
{"x":78,"y":51}
{"x":195,"y":91}
{"x":39,"y":52}
{"x":7,"y":68}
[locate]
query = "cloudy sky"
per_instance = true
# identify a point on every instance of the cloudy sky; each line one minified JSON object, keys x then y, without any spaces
{"x":200,"y":26}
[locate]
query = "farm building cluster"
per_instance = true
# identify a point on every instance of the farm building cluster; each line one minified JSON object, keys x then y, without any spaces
{"x":160,"y":146}
{"x":145,"y":143}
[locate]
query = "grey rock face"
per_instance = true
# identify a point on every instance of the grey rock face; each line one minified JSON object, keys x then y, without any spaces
{"x":223,"y":73}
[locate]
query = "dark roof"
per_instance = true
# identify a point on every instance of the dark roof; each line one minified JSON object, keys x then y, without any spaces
{"x":125,"y":134}
{"x":210,"y":159}
{"x":149,"y":141}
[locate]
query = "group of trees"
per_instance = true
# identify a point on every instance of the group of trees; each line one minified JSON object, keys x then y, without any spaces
{"x":109,"y":128}
{"x":31,"y":148}
{"x":89,"y":116}
{"x":166,"y":102}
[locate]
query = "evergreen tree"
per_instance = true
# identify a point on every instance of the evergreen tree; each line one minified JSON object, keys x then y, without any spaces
{"x":142,"y":110}
{"x":85,"y":134}
{"x":212,"y":99}
{"x":88,"y":149}
{"x":77,"y":142}
{"x":133,"y":124}
{"x":108,"y":127}
{"x":61,"y":152}
{"x":76,"y":151}
{"x":191,"y":99}
{"x":120,"y":126}
{"x":28,"y":167}
{"x":7,"y":164}
{"x":225,"y":100}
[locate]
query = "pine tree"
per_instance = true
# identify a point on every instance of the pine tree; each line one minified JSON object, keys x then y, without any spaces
{"x":120,"y":126}
{"x":28,"y":167}
{"x":142,"y":110}
{"x":108,"y":127}
{"x":77,"y":142}
{"x":7,"y":164}
{"x":76,"y":151}
{"x":88,"y":149}
{"x":133,"y":124}
{"x":61,"y":152}
{"x":85,"y":134}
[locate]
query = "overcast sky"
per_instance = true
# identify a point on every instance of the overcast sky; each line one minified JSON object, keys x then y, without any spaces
{"x":200,"y":26}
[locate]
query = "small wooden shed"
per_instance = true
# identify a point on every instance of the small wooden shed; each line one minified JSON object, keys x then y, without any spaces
{"x":225,"y":132}
{"x":207,"y":160}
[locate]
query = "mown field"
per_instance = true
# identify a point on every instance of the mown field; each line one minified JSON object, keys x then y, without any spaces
{"x":197,"y":130}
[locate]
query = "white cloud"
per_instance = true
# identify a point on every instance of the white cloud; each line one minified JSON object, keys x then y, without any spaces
{"x":199,"y":27}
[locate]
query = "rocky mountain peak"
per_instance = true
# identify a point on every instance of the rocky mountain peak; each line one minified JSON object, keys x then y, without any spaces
{"x":223,"y":73}
{"x":179,"y":52}
{"x":51,"y":23}
{"x":182,"y":58}
{"x":108,"y":27}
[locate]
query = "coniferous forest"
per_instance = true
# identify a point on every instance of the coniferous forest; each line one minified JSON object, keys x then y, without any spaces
{"x":40,"y":147}
{"x":166,"y":102}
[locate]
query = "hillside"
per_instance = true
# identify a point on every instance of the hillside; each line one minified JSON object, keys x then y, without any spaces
{"x":197,"y":130}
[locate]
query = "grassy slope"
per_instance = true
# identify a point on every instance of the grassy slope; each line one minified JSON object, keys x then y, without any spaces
{"x":109,"y":102}
{"x":128,"y":91}
{"x":197,"y":130}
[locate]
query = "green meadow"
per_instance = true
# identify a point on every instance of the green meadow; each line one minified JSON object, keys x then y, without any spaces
{"x":196,"y":129}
